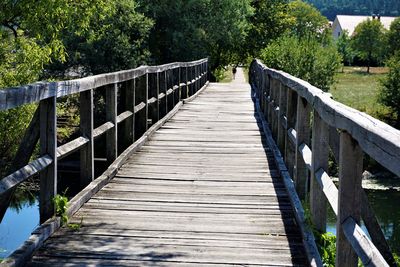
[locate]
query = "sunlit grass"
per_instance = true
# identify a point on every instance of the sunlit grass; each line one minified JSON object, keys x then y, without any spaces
{"x":358,"y":89}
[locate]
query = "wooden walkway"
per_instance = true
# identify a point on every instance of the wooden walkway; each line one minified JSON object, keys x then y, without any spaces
{"x":203,"y":191}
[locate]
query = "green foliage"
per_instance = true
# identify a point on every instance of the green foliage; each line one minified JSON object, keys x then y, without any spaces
{"x":393,"y":37}
{"x":344,"y":48}
{"x":326,"y":243}
{"x":61,"y":203}
{"x":76,"y":226}
{"x":368,"y":40}
{"x":304,"y":58}
{"x":188,"y":30}
{"x":307,"y":22}
{"x":115,"y":40}
{"x":269,"y":21}
{"x":390,"y":90}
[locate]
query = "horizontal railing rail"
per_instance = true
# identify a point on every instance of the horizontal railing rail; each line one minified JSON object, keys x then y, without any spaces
{"x":145,"y":95}
{"x":307,"y":124}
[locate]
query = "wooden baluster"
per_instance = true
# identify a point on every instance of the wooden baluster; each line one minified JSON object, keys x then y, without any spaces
{"x":320,"y":155}
{"x":175,"y":77}
{"x":272,"y":106}
{"x":153,"y":89}
{"x":302,"y":136}
{"x":48,"y":146}
{"x":275,"y":97}
{"x":281,"y":131}
{"x":350,"y":174}
{"x":162,"y":85}
{"x":111,"y":116}
{"x":86,"y":128}
{"x":184,"y":79}
{"x":128,"y":98}
{"x":192,"y":86}
{"x":266,"y":93}
{"x":290,"y":149}
{"x":141,"y":96}
{"x":170,"y":85}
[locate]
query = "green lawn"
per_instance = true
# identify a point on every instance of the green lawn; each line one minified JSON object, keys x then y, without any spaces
{"x":360,"y":90}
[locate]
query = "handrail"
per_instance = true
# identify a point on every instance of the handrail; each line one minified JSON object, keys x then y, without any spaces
{"x":147,"y":94}
{"x":18,"y":96}
{"x":290,"y":105}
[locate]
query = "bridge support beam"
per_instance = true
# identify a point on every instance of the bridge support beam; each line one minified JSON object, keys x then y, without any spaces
{"x":302,"y":136}
{"x":48,"y":146}
{"x":350,"y":176}
{"x":320,"y":155}
{"x":111,"y":116}
{"x":86,"y":128}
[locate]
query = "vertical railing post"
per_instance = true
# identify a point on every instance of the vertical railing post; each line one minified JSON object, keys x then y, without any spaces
{"x":141,"y":96}
{"x":162,"y":85}
{"x":302,"y":136}
{"x":86,"y":128}
{"x":175,"y":78}
{"x":48,"y":146}
{"x":153,"y":91}
{"x":270,"y":102}
{"x":184,"y":79}
{"x":275,"y":107}
{"x":170,"y":85}
{"x":320,"y":155}
{"x":111,"y":116}
{"x":281,"y":131}
{"x":350,"y":174}
{"x":290,"y":150}
{"x":265,"y":93}
{"x":128,"y":98}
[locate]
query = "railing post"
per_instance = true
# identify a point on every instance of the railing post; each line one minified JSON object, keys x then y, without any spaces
{"x":175,"y":79}
{"x":153,"y":92}
{"x":141,"y":96}
{"x":170,"y":85}
{"x":350,"y":174}
{"x":111,"y":116}
{"x":281,"y":131}
{"x":302,"y":136}
{"x":290,"y":150}
{"x":162,"y":85}
{"x":48,"y":146}
{"x":86,"y":128}
{"x":274,"y":108}
{"x":320,"y":155}
{"x":128,"y":98}
{"x":184,"y":79}
{"x":265,"y":93}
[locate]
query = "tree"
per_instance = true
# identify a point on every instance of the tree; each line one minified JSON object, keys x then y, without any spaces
{"x":307,"y":22}
{"x":304,"y":58}
{"x":116,"y":40}
{"x":393,"y":37}
{"x":188,"y":30}
{"x":344,"y":48}
{"x":390,"y":87}
{"x":367,"y":40}
{"x":269,"y":21}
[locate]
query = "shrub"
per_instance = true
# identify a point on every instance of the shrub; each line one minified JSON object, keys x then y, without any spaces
{"x":304,"y":58}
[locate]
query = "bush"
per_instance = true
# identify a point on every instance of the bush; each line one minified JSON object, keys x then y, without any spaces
{"x":304,"y":58}
{"x":390,"y":87}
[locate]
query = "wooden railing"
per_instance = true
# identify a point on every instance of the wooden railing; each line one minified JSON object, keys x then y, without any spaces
{"x":145,"y":95}
{"x":306,"y":125}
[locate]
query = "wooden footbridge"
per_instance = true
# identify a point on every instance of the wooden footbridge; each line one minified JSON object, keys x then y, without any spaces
{"x":195,"y":177}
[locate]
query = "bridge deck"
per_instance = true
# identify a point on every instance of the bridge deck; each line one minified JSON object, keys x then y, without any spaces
{"x":203,"y":191}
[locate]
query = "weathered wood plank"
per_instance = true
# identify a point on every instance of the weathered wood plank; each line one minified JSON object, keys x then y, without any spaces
{"x":72,"y":146}
{"x":86,"y":129}
{"x":48,"y":146}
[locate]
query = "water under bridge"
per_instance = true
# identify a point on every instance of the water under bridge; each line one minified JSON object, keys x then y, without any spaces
{"x":200,"y":173}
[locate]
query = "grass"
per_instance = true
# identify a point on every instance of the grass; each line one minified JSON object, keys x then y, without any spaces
{"x":358,"y":89}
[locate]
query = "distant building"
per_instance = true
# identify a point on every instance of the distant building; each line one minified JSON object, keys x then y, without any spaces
{"x":349,"y":23}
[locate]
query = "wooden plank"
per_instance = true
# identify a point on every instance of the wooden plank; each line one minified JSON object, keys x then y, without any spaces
{"x":128,"y":100}
{"x":102,"y":129}
{"x":111,"y":116}
{"x":86,"y":129}
{"x":302,"y":138}
{"x":350,"y":174}
{"x":360,"y":242}
{"x":42,"y":90}
{"x":376,"y":138}
{"x":48,"y":147}
{"x":72,"y":146}
{"x":141,"y":96}
{"x":124,"y":116}
{"x":34,"y":167}
{"x":290,"y":149}
{"x":320,"y":155}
